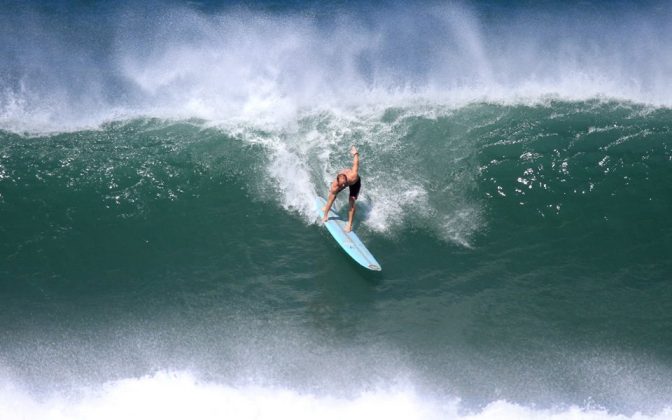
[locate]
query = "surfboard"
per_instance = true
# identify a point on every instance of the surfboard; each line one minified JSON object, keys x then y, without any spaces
{"x":349,"y":241}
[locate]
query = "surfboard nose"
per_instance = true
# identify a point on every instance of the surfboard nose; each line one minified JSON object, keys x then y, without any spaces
{"x":349,"y":241}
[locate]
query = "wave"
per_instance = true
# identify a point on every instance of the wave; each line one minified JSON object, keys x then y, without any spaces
{"x":434,"y":169}
{"x":141,"y":260}
{"x":75,"y":68}
{"x":129,"y":166}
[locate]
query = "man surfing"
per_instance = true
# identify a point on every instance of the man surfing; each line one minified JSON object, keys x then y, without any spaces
{"x":348,"y":177}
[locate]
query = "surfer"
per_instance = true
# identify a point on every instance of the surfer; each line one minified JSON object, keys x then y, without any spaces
{"x":348,"y":177}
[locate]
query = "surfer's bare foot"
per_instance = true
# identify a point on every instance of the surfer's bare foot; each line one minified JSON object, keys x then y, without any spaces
{"x":348,"y":227}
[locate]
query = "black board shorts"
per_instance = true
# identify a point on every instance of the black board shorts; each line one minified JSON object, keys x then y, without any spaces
{"x":354,"y":188}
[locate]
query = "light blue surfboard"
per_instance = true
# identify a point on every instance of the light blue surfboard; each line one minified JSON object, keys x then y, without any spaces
{"x":349,"y":241}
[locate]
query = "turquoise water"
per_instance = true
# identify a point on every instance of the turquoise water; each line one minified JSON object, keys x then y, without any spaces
{"x":160,"y":254}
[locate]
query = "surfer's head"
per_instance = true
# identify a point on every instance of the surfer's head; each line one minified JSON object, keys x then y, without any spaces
{"x":342,"y":180}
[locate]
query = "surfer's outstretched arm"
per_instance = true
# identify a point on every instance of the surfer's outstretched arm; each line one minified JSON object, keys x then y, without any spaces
{"x":326,"y":208}
{"x":355,"y":161}
{"x":330,"y":201}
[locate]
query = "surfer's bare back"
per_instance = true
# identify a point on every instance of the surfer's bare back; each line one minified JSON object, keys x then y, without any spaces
{"x":348,"y":177}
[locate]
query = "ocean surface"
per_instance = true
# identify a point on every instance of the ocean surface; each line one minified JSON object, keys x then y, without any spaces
{"x":159,"y":254}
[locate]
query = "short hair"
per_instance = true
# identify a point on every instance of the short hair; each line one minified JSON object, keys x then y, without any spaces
{"x":342,"y":175}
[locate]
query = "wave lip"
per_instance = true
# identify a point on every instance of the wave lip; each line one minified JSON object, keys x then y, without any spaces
{"x":256,"y":66}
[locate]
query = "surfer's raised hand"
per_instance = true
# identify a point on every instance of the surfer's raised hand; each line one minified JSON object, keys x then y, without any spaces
{"x":353,"y":150}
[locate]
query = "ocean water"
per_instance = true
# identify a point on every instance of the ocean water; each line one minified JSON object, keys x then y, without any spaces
{"x":159,"y":255}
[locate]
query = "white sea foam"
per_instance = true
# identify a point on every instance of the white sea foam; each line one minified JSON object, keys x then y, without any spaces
{"x":292,"y":180}
{"x":179,"y":395}
{"x":303,"y":160}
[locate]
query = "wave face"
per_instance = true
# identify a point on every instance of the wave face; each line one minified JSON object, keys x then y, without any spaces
{"x":159,"y":253}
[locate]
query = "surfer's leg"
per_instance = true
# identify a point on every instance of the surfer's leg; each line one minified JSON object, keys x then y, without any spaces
{"x":351,"y":214}
{"x":354,"y":193}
